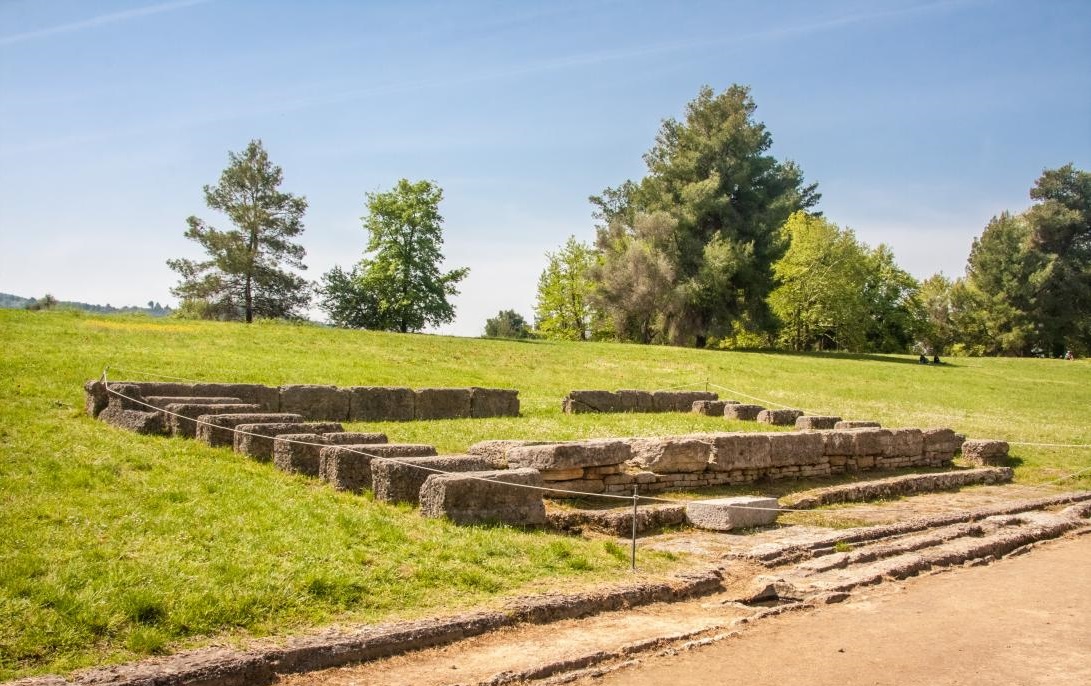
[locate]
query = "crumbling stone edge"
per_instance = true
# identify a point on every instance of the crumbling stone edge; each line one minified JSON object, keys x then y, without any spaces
{"x":264,"y":662}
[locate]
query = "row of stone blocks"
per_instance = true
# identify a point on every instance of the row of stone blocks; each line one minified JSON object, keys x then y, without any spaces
{"x":578,"y":402}
{"x":615,"y":466}
{"x":315,"y":402}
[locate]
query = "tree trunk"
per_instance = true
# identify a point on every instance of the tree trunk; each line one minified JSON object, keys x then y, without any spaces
{"x":249,"y":301}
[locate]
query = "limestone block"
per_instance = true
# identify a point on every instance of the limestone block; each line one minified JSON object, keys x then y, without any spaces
{"x":256,"y":440}
{"x":679,"y":401}
{"x":795,"y":448}
{"x":442,"y":403}
{"x":133,"y":420}
{"x":941,"y":440}
{"x":95,"y":397}
{"x":381,"y":404}
{"x":742,"y":412}
{"x":498,"y":449}
{"x":355,"y":437}
{"x":856,"y":424}
{"x":298,"y":453}
{"x":709,"y":408}
{"x":494,"y":402}
{"x":725,"y":514}
{"x":126,"y":396}
{"x":580,"y":402}
{"x":254,"y":393}
{"x":466,"y":499}
{"x":906,"y":443}
{"x":579,"y":486}
{"x":348,"y":467}
{"x":561,"y":474}
{"x":732,"y":451}
{"x":316,"y":402}
{"x":218,"y":429}
{"x":181,"y":418}
{"x":635,"y":401}
{"x":400,"y":481}
{"x":816,"y":422}
{"x":984,"y":452}
{"x":164,"y":400}
{"x":671,"y":455}
{"x":779,"y":417}
{"x":592,"y":453}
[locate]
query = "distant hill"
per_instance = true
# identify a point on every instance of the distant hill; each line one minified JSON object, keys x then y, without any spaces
{"x":17,"y":302}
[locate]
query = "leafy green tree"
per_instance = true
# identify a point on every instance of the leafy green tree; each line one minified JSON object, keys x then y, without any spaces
{"x":936,"y":331}
{"x":564,"y":309}
{"x":244,"y":274}
{"x":894,"y":313}
{"x":507,"y":324}
{"x":1060,"y":225}
{"x":820,"y":298}
{"x":727,"y":198}
{"x":398,"y":285}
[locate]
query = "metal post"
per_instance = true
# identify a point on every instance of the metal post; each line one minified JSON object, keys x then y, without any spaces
{"x":634,"y":528}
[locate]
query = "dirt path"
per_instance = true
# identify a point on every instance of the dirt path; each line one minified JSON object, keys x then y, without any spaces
{"x":1024,"y":620}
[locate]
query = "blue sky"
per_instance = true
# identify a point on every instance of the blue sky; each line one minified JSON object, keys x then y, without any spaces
{"x":919,"y":121}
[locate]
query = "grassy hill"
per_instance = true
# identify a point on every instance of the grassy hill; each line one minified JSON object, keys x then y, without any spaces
{"x":114,"y":545}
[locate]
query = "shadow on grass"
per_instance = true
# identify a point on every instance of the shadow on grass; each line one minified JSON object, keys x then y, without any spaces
{"x":858,"y":357}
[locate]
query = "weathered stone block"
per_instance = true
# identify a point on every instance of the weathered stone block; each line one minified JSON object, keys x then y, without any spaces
{"x":593,"y":453}
{"x":134,"y":420}
{"x":254,"y":393}
{"x":779,"y":417}
{"x":355,"y":437}
{"x":256,"y":440}
{"x":671,"y":455}
{"x":442,"y":403}
{"x":906,"y":443}
{"x":635,"y":400}
{"x":732,"y":451}
{"x":941,"y":440}
{"x":815,"y":422}
{"x":709,"y":408}
{"x":126,"y":396}
{"x":467,"y":499}
{"x":985,"y":452}
{"x":725,"y":514}
{"x":679,"y":401}
{"x":164,"y":400}
{"x":497,"y":450}
{"x":494,"y":402}
{"x":856,"y":424}
{"x":181,"y":418}
{"x":871,"y":442}
{"x":95,"y":397}
{"x":562,"y":474}
{"x":580,"y":402}
{"x":348,"y":467}
{"x":795,"y":448}
{"x":316,"y":402}
{"x":575,"y":488}
{"x":381,"y":404}
{"x":742,"y":412}
{"x":219,"y":429}
{"x":298,"y":453}
{"x":400,"y":481}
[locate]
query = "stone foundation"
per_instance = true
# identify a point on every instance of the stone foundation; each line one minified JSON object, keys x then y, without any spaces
{"x":348,"y":467}
{"x":400,"y":481}
{"x":299,"y":453}
{"x":629,"y":400}
{"x":256,"y":440}
{"x":182,"y":417}
{"x":485,"y":497}
{"x":218,"y":429}
{"x":983,"y":452}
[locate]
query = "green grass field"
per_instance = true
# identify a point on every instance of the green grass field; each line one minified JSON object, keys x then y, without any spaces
{"x":115,"y":545}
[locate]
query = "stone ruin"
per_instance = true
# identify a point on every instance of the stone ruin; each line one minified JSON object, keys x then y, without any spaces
{"x":579,"y":402}
{"x":507,"y":480}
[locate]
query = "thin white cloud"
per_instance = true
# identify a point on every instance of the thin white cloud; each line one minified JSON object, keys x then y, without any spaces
{"x":101,"y":20}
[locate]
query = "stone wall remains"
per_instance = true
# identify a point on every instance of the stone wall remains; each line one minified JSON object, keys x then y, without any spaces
{"x":627,"y":400}
{"x":485,"y":497}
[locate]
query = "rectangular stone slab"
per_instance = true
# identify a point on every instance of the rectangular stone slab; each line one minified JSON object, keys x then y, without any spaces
{"x":740,"y":451}
{"x":741,"y":411}
{"x":671,"y":455}
{"x":218,"y":429}
{"x":186,"y":424}
{"x":400,"y":481}
{"x":493,"y":402}
{"x":298,"y":453}
{"x":381,"y":404}
{"x":498,"y":449}
{"x":256,"y":440}
{"x":779,"y":417}
{"x":348,"y":467}
{"x":632,"y":400}
{"x":316,"y":402}
{"x":813,"y":422}
{"x":725,"y":514}
{"x":584,"y":401}
{"x":679,"y":401}
{"x":442,"y":403}
{"x":796,"y":448}
{"x":134,"y":420}
{"x":485,"y":497}
{"x":709,"y":408}
{"x":553,"y":456}
{"x":259,"y":394}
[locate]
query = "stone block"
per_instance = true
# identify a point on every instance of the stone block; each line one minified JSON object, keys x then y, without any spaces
{"x":575,"y":488}
{"x":485,"y":497}
{"x":985,"y":452}
{"x":95,"y":397}
{"x":381,"y":404}
{"x":316,"y":402}
{"x":162,"y":401}
{"x":795,"y":448}
{"x":442,"y":403}
{"x":813,"y":422}
{"x":941,"y":440}
{"x":632,"y":400}
{"x":298,"y":453}
{"x":256,"y":440}
{"x":709,"y":408}
{"x":400,"y":481}
{"x":561,"y":474}
{"x":742,"y":412}
{"x":493,"y":402}
{"x":906,"y":443}
{"x":497,"y":450}
{"x":254,"y":393}
{"x":725,"y":514}
{"x":732,"y":451}
{"x":126,"y":396}
{"x":150,"y":423}
{"x":779,"y":417}
{"x":580,"y":402}
{"x":671,"y":455}
{"x":856,"y":424}
{"x":592,"y":453}
{"x":348,"y":467}
{"x":679,"y":401}
{"x":181,"y":418}
{"x":219,"y":429}
{"x":355,"y":437}
{"x":857,"y":442}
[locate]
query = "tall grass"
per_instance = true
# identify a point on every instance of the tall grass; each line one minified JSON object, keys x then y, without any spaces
{"x":114,"y":545}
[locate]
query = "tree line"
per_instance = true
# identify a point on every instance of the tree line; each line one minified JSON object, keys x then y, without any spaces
{"x":720,"y":245}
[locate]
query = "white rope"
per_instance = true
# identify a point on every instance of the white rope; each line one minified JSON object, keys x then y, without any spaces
{"x":153,"y":375}
{"x":761,"y":400}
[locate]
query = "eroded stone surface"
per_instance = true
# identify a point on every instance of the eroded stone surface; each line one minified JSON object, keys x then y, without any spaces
{"x":779,"y":417}
{"x":552,"y":456}
{"x":442,"y":403}
{"x":316,"y":402}
{"x":725,"y":514}
{"x":400,"y":481}
{"x":485,"y":497}
{"x":671,"y":455}
{"x":816,"y":422}
{"x":742,"y":411}
{"x":985,"y":452}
